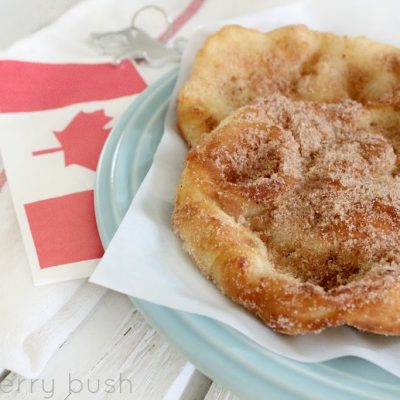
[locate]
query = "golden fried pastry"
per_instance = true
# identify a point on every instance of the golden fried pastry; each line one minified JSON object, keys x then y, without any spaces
{"x":292,"y":209}
{"x":236,"y":65}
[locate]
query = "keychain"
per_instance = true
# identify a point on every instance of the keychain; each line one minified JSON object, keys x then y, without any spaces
{"x":136,"y":44}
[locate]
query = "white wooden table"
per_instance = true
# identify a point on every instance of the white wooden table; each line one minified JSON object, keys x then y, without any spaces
{"x":115,"y":343}
{"x":114,"y":354}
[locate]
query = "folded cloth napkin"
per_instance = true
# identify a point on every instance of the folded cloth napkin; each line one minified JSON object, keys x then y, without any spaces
{"x":54,"y":85}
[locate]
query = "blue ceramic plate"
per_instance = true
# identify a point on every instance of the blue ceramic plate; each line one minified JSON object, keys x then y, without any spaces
{"x":220,"y":352}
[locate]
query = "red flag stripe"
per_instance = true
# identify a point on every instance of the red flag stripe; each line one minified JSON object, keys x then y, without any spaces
{"x":46,"y":151}
{"x":64,"y":229}
{"x":181,"y":20}
{"x":29,"y":86}
{"x":3,"y":179}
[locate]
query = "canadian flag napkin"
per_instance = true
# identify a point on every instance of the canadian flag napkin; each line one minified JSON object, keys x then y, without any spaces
{"x":56,"y":118}
{"x":59,"y":99}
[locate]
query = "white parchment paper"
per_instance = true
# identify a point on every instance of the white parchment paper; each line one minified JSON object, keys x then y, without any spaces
{"x":145,"y":259}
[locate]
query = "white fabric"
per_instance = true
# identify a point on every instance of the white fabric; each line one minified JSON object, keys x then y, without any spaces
{"x":35,"y":321}
{"x":145,"y":258}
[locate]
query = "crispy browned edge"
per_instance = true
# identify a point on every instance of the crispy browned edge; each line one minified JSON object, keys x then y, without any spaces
{"x":193,"y":114}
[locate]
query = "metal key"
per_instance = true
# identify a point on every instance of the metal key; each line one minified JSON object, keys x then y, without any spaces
{"x":136,"y":44}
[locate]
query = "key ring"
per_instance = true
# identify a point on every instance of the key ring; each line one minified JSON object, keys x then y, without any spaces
{"x":167,"y":19}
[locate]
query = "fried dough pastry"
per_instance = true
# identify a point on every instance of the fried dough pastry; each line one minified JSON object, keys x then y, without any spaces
{"x":236,"y":65}
{"x":292,"y":209}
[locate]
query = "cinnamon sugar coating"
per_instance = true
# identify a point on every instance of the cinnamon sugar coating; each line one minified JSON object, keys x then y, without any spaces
{"x":292,"y":209}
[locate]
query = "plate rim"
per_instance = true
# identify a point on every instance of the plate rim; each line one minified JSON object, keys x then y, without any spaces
{"x":190,"y":339}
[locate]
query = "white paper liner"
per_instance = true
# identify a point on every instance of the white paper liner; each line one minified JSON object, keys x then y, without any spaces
{"x":145,"y":259}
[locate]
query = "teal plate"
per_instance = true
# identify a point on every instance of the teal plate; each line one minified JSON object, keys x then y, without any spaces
{"x":220,"y":352}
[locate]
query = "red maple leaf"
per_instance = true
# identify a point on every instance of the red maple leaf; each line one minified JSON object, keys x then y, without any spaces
{"x":82,"y":140}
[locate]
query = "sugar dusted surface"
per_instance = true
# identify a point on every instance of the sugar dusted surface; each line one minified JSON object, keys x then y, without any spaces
{"x":325,"y":184}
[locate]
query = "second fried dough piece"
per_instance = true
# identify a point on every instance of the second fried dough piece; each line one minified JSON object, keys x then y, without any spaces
{"x":236,"y":65}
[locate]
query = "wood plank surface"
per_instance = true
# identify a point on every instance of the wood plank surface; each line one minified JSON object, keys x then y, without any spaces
{"x":217,"y":392}
{"x":114,"y":354}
